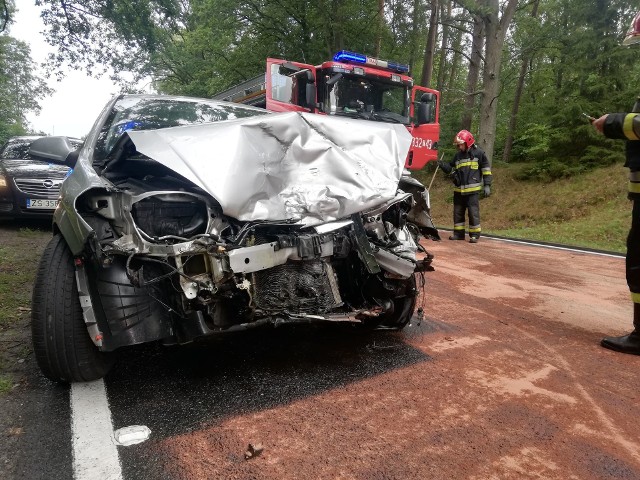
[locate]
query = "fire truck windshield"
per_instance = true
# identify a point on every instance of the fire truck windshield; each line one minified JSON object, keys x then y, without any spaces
{"x":368,"y":98}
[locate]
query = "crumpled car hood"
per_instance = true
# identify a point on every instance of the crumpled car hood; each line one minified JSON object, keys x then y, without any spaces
{"x":289,"y":166}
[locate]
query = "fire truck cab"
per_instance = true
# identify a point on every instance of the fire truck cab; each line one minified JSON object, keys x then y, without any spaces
{"x":358,"y":86}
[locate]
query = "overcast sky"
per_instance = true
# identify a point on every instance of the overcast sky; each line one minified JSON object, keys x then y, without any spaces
{"x":78,"y":99}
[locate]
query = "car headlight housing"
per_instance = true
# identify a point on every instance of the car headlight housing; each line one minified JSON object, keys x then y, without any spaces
{"x":170,"y":215}
{"x":3,"y":181}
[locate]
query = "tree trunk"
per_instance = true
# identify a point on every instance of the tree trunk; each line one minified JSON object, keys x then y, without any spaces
{"x":415,"y":19}
{"x":380,"y":27}
{"x":334,"y":36}
{"x":445,"y":13}
{"x":427,"y":68}
{"x":477,"y":46}
{"x":508,"y":143}
{"x":455,"y":62}
{"x":495,"y":30}
{"x":524,"y":67}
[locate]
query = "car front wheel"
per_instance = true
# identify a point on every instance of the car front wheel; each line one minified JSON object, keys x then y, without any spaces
{"x":62,"y":346}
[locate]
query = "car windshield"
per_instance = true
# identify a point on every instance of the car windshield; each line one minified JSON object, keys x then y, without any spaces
{"x":368,"y":98}
{"x":17,"y":149}
{"x":149,"y":113}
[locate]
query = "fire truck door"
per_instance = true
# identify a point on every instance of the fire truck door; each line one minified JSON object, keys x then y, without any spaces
{"x":425,"y":116}
{"x":290,"y":86}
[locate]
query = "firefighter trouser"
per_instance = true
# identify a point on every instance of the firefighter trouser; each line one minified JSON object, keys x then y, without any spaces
{"x":633,"y":257}
{"x":462,"y":204}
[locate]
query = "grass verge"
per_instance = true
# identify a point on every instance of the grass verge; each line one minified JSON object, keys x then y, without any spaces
{"x":20,"y":250}
{"x":590,"y":210}
{"x":5,"y":384}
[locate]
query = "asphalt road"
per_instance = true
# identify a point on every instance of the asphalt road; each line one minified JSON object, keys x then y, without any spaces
{"x":504,"y":378}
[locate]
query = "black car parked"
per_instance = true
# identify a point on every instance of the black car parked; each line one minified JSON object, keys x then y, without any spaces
{"x":29,"y":188}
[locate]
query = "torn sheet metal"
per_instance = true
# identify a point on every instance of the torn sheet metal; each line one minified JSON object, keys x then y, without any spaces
{"x":306,"y":167}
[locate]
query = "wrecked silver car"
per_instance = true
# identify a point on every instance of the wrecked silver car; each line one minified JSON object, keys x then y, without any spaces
{"x":188,"y":217}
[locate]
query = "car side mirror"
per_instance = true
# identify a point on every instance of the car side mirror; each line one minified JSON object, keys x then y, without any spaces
{"x":427,"y":108}
{"x":62,"y":150}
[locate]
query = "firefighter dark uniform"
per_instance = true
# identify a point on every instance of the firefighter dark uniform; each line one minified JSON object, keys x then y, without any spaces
{"x":627,"y":126}
{"x":470,"y":171}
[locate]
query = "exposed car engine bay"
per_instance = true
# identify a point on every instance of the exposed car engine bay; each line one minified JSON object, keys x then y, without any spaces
{"x":187,"y":217}
{"x":177,"y":267}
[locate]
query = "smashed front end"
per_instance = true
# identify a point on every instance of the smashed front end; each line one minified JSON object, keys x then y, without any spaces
{"x":219,"y":227}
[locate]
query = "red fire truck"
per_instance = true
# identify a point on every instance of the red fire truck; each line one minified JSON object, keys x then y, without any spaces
{"x":353,"y":85}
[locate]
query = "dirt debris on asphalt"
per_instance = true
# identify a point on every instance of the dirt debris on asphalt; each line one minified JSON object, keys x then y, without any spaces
{"x":513,"y":385}
{"x":506,"y":381}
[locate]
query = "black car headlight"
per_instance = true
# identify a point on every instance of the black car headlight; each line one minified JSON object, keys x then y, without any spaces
{"x":4,"y":181}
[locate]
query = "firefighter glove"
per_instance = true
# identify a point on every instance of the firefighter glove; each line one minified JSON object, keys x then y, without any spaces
{"x":487,"y":191}
{"x":444,"y":166}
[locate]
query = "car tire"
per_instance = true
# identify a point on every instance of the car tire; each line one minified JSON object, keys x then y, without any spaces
{"x":403,"y":308}
{"x":63,"y":349}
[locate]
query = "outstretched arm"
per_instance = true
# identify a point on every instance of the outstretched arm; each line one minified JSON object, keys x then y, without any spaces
{"x":446,"y":167}
{"x":619,"y":125}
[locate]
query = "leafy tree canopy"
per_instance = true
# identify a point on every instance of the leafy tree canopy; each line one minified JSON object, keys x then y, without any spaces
{"x":7,"y":8}
{"x":564,"y":60}
{"x":20,"y":87}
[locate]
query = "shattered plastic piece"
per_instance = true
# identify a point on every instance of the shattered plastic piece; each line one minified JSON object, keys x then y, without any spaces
{"x":131,"y":435}
{"x":253,"y":450}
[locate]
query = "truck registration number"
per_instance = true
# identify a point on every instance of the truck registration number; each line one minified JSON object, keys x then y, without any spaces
{"x":418,"y":142}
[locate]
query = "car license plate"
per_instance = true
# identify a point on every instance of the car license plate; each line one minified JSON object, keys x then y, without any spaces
{"x":42,"y":204}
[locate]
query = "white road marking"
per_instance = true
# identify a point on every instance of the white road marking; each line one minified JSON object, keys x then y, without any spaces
{"x":557,"y":247}
{"x":95,"y":455}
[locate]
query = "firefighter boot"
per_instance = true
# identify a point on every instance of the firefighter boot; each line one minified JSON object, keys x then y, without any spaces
{"x":627,"y":343}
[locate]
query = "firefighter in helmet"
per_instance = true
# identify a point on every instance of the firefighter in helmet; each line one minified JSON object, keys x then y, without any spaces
{"x":627,"y":126}
{"x":470,"y":171}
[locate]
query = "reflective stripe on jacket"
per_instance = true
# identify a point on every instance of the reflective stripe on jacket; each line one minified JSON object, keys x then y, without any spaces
{"x":470,"y":171}
{"x":627,"y":126}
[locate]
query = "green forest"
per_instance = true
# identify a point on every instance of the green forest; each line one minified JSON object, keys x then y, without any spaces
{"x":518,"y":73}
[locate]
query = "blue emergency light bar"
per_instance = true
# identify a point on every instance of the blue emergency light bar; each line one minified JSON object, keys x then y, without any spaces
{"x":353,"y":57}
